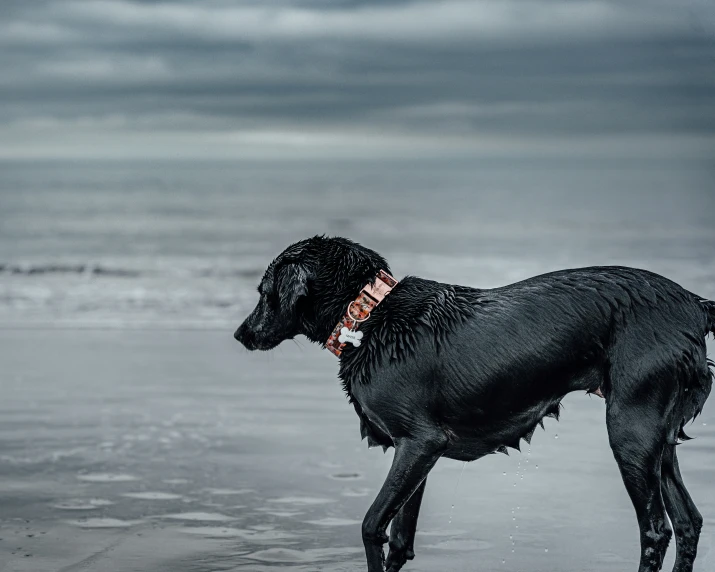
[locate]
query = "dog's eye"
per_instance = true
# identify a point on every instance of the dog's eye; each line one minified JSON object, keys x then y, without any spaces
{"x":268,"y":296}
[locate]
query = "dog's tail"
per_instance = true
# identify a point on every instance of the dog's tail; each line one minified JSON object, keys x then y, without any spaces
{"x":698,"y":390}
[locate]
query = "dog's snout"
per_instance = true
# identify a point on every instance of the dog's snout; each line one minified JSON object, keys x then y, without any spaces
{"x":247,"y":337}
{"x":240,"y":334}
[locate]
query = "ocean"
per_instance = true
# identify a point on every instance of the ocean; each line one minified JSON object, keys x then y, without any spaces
{"x":183,"y":244}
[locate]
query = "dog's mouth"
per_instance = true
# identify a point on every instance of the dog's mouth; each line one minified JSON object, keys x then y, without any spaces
{"x":261,"y":346}
{"x":249,"y":341}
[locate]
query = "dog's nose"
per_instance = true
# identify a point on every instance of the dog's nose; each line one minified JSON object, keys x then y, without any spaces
{"x":239,"y":333}
{"x":245,"y":337}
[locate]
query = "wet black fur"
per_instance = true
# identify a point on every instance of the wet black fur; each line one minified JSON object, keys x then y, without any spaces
{"x":459,"y":372}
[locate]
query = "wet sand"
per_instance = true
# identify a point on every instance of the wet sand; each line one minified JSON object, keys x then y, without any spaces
{"x":180,"y":451}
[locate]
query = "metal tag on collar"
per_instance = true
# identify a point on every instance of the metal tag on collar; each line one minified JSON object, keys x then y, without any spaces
{"x":351,"y":334}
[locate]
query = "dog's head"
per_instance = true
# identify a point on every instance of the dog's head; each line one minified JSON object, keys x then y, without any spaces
{"x":276,"y":317}
{"x":306,"y":289}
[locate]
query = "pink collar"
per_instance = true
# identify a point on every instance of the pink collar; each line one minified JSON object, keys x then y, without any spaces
{"x":358,"y":311}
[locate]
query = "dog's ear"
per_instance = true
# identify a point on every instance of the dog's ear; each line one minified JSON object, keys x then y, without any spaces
{"x":293,"y":282}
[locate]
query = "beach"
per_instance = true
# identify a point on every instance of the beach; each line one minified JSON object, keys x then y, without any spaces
{"x":128,"y":451}
{"x":136,"y":435}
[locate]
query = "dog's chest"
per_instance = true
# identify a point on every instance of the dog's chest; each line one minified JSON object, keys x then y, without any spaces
{"x":372,"y":426}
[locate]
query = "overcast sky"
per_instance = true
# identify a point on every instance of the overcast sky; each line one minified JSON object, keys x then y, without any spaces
{"x":351,"y":78}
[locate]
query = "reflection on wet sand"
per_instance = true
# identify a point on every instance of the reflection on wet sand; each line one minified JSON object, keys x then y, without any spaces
{"x":244,"y":496}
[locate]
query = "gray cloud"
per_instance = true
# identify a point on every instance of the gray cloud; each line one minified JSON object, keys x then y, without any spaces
{"x":317,"y":78}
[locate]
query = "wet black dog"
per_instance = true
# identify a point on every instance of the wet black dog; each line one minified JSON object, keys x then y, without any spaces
{"x":457,"y":372}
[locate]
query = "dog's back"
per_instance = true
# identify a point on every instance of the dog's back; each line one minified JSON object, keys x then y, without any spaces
{"x":629,"y":314}
{"x":655,"y":336}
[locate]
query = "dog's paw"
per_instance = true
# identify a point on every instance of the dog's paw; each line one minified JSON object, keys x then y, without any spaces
{"x":397,"y":557}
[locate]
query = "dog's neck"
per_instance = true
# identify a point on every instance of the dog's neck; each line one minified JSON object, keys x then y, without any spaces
{"x":358,"y":311}
{"x":336,"y":283}
{"x":329,"y":308}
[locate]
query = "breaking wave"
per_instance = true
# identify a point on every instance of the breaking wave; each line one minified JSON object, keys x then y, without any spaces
{"x":81,"y":269}
{"x":146,"y":292}
{"x":91,"y":269}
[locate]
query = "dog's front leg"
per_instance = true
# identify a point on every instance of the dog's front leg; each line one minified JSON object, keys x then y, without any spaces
{"x":413,"y":460}
{"x":402,"y":531}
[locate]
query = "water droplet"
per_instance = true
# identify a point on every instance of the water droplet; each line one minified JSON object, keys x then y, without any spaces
{"x":704,"y":424}
{"x":503,"y":561}
{"x":504,"y":473}
{"x":517,"y":508}
{"x":514,"y":484}
{"x":454,"y":494}
{"x":556,"y":436}
{"x":513,"y":518}
{"x":511,"y":537}
{"x":517,"y":526}
{"x":512,"y":550}
{"x":537,"y":466}
{"x":546,"y":549}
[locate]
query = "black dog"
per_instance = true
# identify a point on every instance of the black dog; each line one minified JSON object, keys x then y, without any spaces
{"x":457,"y":372}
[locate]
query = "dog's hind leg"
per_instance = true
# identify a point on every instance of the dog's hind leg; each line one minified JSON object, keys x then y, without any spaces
{"x":637,"y":434}
{"x":682,"y":511}
{"x":412,"y":462}
{"x":402,"y":531}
